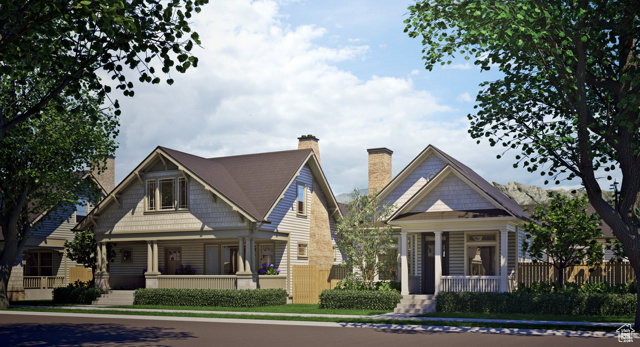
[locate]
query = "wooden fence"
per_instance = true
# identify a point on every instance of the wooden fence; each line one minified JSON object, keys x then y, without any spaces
{"x":309,"y":282}
{"x":609,"y":273}
{"x":80,"y":273}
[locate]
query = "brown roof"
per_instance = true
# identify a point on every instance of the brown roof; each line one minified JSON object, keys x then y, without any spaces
{"x":487,"y":187}
{"x":254,"y":182}
{"x":452,"y":215}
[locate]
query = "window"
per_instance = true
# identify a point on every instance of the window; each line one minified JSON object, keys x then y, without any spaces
{"x":172,"y":193}
{"x":266,"y":254}
{"x":389,"y":269}
{"x":127,"y":256}
{"x":481,"y":254}
{"x":301,"y":199}
{"x":303,"y":250}
{"x":229,"y":260}
{"x":38,"y":264}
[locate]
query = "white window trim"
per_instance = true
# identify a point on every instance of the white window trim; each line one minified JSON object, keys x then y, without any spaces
{"x":496,"y":243}
{"x":156,"y":194}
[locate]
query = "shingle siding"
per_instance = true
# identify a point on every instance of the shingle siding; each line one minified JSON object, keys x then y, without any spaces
{"x":452,"y":194}
{"x":414,"y":181}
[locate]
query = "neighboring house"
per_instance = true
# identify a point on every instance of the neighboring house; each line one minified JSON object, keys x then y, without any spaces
{"x":456,"y":231}
{"x":44,"y":264}
{"x":224,"y":217}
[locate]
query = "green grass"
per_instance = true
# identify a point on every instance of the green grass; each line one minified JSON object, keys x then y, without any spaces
{"x":289,"y":308}
{"x":39,"y":303}
{"x":337,"y":320}
{"x":538,"y":317}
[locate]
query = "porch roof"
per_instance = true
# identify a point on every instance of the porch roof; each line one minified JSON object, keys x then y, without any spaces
{"x":420,"y":216}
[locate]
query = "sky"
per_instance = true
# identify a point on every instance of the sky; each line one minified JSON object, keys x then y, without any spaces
{"x":343,"y":71}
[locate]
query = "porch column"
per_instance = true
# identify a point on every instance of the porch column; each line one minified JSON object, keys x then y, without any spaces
{"x":240,"y":255}
{"x":404,"y":279}
{"x":104,"y":256}
{"x":503,"y":259}
{"x":251,"y":257}
{"x":99,"y":257}
{"x":102,"y":276}
{"x":155,"y":256}
{"x":438,"y":261}
{"x":149,"y":256}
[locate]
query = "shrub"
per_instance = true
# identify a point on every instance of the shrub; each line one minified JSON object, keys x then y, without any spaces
{"x":360,"y":299}
{"x":570,"y":287}
{"x":185,"y":270}
{"x":76,"y":295}
{"x":538,"y":303}
{"x":211,"y":297}
{"x":269,"y":269}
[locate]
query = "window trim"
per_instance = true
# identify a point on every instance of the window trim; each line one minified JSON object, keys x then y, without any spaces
{"x":304,"y":255}
{"x":157,"y":194}
{"x":304,"y":199}
{"x":495,"y":243}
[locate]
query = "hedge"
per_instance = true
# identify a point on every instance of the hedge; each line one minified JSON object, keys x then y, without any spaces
{"x":360,"y":299}
{"x":75,"y":295}
{"x":538,"y":303}
{"x":210,"y":297}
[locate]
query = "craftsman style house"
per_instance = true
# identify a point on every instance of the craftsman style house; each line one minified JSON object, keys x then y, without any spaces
{"x":456,"y":231}
{"x":222,"y":218}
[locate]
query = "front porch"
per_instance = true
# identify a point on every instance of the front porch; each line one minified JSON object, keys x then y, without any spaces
{"x":458,"y":261}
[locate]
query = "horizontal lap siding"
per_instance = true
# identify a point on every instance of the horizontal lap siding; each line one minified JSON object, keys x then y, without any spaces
{"x":456,"y":253}
{"x":138,"y":257}
{"x":58,"y":223}
{"x":203,"y":213}
{"x":511,"y":255}
{"x":414,"y":181}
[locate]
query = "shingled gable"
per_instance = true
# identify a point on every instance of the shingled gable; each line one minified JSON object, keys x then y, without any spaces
{"x":473,"y":178}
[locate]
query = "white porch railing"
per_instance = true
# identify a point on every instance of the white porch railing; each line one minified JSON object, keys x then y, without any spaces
{"x":470,"y":283}
{"x":197,"y":282}
{"x":42,"y":282}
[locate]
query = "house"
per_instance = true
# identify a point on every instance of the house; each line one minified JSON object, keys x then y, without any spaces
{"x":456,"y":232}
{"x":224,"y":217}
{"x":44,"y":264}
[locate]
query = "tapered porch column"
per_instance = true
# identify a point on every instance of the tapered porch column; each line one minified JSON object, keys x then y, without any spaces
{"x":149,"y":256}
{"x":102,"y":276}
{"x":251,"y":255}
{"x":240,"y":255}
{"x":503,"y":259}
{"x":99,"y":257}
{"x":155,"y":256}
{"x":438,"y":261}
{"x":103,"y":256}
{"x":151,"y":277}
{"x":404,"y":279}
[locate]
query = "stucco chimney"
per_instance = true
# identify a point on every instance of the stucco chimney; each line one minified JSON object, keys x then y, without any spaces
{"x":107,"y":178}
{"x":309,"y":141}
{"x":379,"y":168}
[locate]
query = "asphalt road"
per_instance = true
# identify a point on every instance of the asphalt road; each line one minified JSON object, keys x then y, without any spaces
{"x":63,"y":330}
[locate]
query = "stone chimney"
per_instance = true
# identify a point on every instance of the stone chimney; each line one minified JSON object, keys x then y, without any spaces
{"x":379,"y":169}
{"x":107,"y":178}
{"x":309,"y":141}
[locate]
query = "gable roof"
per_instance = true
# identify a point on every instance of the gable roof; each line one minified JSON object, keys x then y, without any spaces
{"x":453,"y":164}
{"x":252,"y":184}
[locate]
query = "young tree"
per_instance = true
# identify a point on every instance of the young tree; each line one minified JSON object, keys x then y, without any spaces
{"x":82,"y":249}
{"x":569,"y":97}
{"x":39,"y":163}
{"x":47,"y":46}
{"x":363,"y":238}
{"x":564,"y":232}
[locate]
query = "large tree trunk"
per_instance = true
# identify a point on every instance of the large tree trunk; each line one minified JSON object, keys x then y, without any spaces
{"x":7,"y":259}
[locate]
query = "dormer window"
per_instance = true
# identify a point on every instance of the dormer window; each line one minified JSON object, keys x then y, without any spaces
{"x":167,"y":194}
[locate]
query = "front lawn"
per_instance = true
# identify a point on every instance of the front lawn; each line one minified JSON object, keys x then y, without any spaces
{"x":289,"y":308}
{"x":538,"y":317}
{"x":39,"y":303}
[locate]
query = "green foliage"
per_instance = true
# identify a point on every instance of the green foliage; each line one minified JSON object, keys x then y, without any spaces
{"x":269,"y":269}
{"x":360,"y":299}
{"x":352,"y":282}
{"x":82,"y":284}
{"x":538,"y":303}
{"x":76,"y":295}
{"x":211,"y":297}
{"x":82,"y":249}
{"x":363,"y":238}
{"x":597,"y":287}
{"x":564,"y":233}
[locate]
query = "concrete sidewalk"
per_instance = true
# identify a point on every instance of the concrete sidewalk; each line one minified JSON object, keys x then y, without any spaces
{"x":395,"y":316}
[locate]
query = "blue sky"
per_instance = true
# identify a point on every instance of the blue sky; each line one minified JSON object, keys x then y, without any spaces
{"x":344,"y":71}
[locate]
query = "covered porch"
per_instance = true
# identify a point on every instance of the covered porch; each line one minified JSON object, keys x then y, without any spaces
{"x":213,"y":263}
{"x":473,"y":260}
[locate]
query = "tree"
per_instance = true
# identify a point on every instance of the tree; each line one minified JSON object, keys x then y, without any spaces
{"x":564,"y":232}
{"x":40,"y":162}
{"x":363,"y":238}
{"x":51,"y":46}
{"x":82,"y":249}
{"x":568,"y":99}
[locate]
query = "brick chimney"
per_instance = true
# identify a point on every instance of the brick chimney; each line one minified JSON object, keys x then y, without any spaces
{"x":379,"y":169}
{"x":309,"y":141}
{"x":107,"y":178}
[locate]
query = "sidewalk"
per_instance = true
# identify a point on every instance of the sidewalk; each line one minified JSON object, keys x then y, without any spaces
{"x":395,"y":316}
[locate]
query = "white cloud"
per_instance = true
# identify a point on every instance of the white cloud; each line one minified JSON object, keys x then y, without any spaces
{"x":465,"y":97}
{"x":465,"y":66}
{"x":260,"y":84}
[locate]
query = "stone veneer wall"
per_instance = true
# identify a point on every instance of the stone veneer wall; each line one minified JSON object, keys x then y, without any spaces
{"x":321,"y":251}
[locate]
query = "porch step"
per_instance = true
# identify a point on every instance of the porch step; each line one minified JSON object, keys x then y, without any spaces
{"x":115,"y":298}
{"x":416,"y":304}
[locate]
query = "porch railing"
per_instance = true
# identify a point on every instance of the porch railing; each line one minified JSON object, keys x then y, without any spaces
{"x":42,"y":282}
{"x":470,"y":283}
{"x":197,"y":282}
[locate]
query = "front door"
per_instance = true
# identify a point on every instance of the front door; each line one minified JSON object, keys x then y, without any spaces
{"x":172,"y":260}
{"x":428,"y":261}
